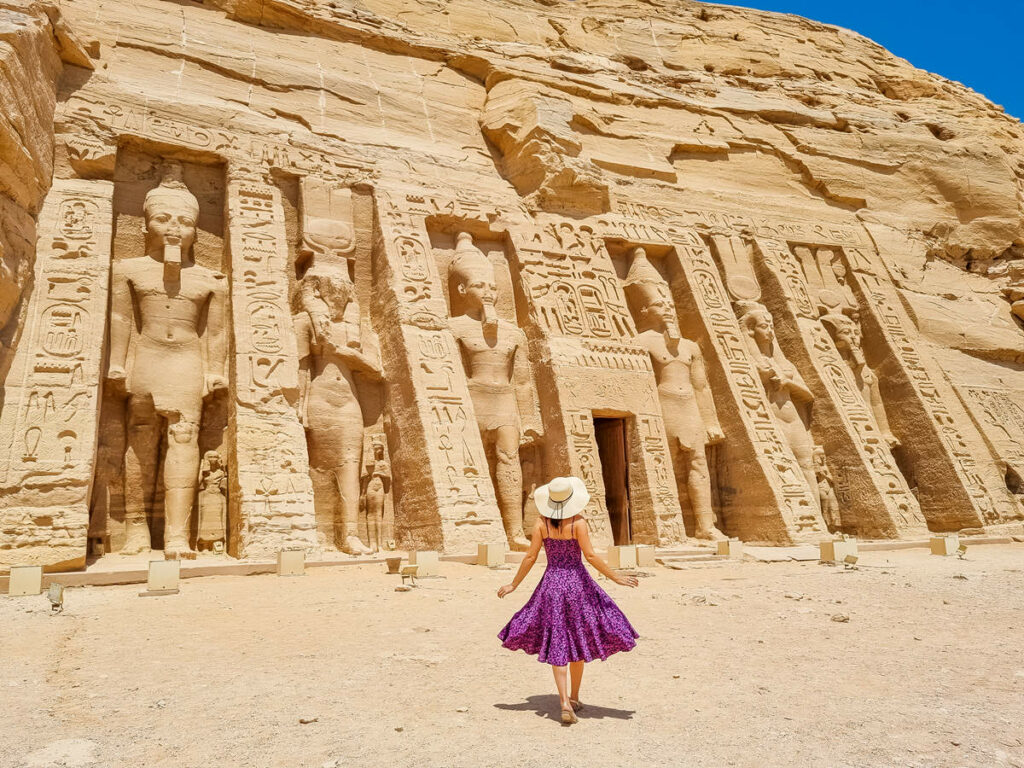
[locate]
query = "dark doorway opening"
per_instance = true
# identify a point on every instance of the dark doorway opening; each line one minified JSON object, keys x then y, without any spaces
{"x":613,"y":451}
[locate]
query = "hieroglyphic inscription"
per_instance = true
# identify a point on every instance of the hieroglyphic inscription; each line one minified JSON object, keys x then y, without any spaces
{"x":661,"y":478}
{"x":572,"y":286}
{"x":894,"y":510}
{"x":275,"y":496}
{"x":50,"y":406}
{"x":148,"y":123}
{"x":586,"y":464}
{"x":729,"y":221}
{"x":999,"y":413}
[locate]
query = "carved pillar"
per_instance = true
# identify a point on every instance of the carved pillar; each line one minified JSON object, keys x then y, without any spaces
{"x":873,"y":492}
{"x":769,"y":500}
{"x":48,"y":426}
{"x":444,"y":495}
{"x":588,"y":365}
{"x":958,"y":483}
{"x":271,"y":495}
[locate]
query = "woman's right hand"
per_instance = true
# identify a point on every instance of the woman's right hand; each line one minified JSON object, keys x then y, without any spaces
{"x":505,"y":589}
{"x":626,"y":581}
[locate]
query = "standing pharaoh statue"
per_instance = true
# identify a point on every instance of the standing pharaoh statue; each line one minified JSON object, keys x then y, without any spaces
{"x":783,"y":385}
{"x":492,"y":349}
{"x":330,"y":355}
{"x":687,"y":407}
{"x":167,"y":352}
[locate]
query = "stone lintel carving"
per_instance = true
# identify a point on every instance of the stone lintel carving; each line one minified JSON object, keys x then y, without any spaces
{"x":271,"y":494}
{"x":51,"y":394}
{"x":959,"y":485}
{"x":444,"y":498}
{"x":880,"y":503}
{"x":777,"y":504}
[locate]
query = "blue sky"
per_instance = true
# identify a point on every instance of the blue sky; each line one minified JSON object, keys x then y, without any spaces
{"x":978,"y":42}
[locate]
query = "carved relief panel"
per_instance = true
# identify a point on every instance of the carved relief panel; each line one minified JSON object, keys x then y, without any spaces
{"x":964,"y":488}
{"x":444,"y":496}
{"x":51,"y":393}
{"x":807,"y":289}
{"x":271,"y":492}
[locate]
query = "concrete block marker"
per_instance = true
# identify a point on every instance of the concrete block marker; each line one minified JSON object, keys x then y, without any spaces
{"x":622,"y":556}
{"x":945,"y":545}
{"x":645,"y":556}
{"x":491,"y":555}
{"x":164,"y":577}
{"x":291,"y":562}
{"x":732,"y":548}
{"x":427,"y":560}
{"x":25,"y":580}
{"x":836,"y":550}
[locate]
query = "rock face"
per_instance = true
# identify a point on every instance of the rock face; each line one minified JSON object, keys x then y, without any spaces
{"x":742,"y":273}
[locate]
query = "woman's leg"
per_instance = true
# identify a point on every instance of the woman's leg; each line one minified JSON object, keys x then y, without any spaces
{"x":575,"y":677}
{"x":561,"y":684}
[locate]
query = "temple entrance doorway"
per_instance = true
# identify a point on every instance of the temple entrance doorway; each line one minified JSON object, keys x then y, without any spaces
{"x":613,"y":452}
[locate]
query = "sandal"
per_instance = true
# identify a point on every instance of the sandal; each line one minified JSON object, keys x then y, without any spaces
{"x":577,"y":705}
{"x":568,"y":717}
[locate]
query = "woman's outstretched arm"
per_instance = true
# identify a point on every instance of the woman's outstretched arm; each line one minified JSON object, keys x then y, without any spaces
{"x":583,"y":534}
{"x":536,"y":541}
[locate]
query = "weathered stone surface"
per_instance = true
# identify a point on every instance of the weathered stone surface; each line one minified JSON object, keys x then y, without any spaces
{"x":835,"y":241}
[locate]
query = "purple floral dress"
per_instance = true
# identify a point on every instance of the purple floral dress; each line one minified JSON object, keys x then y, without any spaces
{"x":568,"y":617}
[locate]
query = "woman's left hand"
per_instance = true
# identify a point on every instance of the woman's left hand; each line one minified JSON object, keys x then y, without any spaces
{"x":504,"y":590}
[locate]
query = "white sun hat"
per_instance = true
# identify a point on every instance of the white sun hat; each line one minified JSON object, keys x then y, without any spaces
{"x":562,"y":498}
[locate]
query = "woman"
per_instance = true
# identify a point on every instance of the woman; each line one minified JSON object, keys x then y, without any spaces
{"x":569,"y":620}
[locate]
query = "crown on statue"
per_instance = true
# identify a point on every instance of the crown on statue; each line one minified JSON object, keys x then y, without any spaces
{"x":644,"y":283}
{"x":469,"y":260}
{"x":171,"y":192}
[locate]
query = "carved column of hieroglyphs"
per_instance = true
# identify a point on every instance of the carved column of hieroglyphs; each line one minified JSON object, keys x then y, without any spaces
{"x":958,"y":484}
{"x":999,"y":414}
{"x":445,"y":498}
{"x":578,"y":312}
{"x":789,"y":512}
{"x":51,"y":396}
{"x":878,"y":499}
{"x":271,"y":493}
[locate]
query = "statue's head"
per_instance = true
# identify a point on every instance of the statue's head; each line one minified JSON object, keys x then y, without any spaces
{"x":472,"y":278}
{"x":847,"y":335}
{"x":756,"y":320}
{"x":819,"y":457}
{"x":171,"y":212}
{"x":649,"y":296}
{"x":326,"y":291}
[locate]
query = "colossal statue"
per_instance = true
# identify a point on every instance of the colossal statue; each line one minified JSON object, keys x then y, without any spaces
{"x":167,"y":352}
{"x":330,"y":355}
{"x":783,"y":385}
{"x":491,"y":348}
{"x":687,"y":407}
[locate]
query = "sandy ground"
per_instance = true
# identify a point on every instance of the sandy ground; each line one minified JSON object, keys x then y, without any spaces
{"x":740,"y":664}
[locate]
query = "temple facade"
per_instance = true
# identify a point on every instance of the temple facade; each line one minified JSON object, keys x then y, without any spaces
{"x":370,"y":291}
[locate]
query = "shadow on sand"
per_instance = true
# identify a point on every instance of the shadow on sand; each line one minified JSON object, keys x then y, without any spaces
{"x":546,"y":705}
